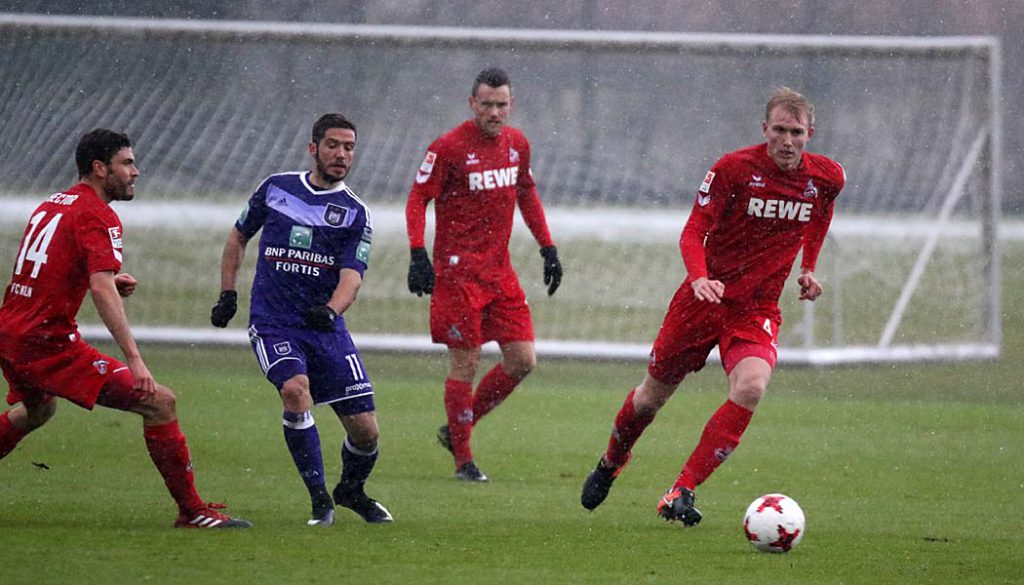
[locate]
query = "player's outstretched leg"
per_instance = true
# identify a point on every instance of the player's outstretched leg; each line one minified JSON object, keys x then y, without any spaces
{"x":677,"y":506}
{"x":599,"y":483}
{"x":18,"y":422}
{"x":350,"y":493}
{"x":303,"y":441}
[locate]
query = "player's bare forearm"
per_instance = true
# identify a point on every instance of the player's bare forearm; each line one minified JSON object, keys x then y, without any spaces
{"x":349,"y":282}
{"x":108,"y":303}
{"x":231,"y":259}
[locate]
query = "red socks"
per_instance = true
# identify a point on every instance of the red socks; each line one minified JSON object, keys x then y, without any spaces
{"x":458,"y":404}
{"x":628,"y":428}
{"x":721,"y":435}
{"x":9,"y":435}
{"x":492,"y":390}
{"x":169,"y":451}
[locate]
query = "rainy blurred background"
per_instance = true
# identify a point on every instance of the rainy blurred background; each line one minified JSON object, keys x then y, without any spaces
{"x":621,"y":137}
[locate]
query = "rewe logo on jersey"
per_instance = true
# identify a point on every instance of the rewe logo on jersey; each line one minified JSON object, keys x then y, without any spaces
{"x":492,"y":179}
{"x":780,"y":209}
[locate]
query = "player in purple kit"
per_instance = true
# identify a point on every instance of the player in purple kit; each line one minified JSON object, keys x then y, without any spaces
{"x":313,"y":251}
{"x":757,"y":208}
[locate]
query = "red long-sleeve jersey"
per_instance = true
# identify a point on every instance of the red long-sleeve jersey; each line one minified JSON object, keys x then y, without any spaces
{"x":751,"y":218}
{"x":475,"y":182}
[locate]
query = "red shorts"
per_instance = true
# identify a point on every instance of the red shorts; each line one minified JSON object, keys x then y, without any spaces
{"x":73,"y":370}
{"x":465,"y":313}
{"x":692,"y":328}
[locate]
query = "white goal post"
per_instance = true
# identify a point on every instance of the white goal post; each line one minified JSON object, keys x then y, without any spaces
{"x":623,"y":125}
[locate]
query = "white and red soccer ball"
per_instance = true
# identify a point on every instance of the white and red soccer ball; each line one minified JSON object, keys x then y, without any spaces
{"x":774,"y":523}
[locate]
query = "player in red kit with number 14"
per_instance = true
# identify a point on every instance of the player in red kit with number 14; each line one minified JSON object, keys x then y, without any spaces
{"x":477,"y":174}
{"x":73,"y":244}
{"x":755,"y":210}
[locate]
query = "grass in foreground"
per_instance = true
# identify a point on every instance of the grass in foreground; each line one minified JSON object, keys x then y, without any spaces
{"x":907,"y":475}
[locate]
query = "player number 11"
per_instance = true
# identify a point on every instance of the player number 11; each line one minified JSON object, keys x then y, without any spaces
{"x":353,"y":363}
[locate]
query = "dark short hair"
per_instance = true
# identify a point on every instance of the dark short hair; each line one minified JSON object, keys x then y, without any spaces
{"x":100,"y":144}
{"x":328,"y":121}
{"x":492,"y":76}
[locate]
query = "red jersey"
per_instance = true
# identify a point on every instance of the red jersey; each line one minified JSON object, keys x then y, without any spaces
{"x":70,"y":236}
{"x":756,"y":217}
{"x":475,"y":182}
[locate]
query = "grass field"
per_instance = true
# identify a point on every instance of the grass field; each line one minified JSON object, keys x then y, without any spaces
{"x":912,"y":474}
{"x":908,"y":474}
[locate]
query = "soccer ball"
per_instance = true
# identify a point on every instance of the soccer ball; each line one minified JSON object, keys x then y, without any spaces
{"x":774,"y":523}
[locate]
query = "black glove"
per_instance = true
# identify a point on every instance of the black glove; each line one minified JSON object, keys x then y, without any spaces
{"x":552,"y":268}
{"x":321,"y":318}
{"x":225,"y":309}
{"x":421,"y":273}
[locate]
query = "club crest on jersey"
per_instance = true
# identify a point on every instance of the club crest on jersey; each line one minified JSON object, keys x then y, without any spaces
{"x":426,"y":167}
{"x":283,"y":348}
{"x":335,"y":215}
{"x":513,"y":155}
{"x":101,"y":366}
{"x":810,"y":191}
{"x":705,"y":186}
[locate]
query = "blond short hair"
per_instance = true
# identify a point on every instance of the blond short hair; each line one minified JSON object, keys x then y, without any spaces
{"x":794,"y":103}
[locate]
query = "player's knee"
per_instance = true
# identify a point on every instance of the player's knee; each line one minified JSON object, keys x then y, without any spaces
{"x":747,"y":391}
{"x":296,"y":397}
{"x":364,"y":439}
{"x":164,"y":402}
{"x":521,"y":367}
{"x":37,"y":416}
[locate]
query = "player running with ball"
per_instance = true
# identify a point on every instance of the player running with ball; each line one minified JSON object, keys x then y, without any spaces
{"x":755,"y":210}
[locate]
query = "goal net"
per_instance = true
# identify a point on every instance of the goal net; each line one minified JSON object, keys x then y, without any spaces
{"x":623,"y":127}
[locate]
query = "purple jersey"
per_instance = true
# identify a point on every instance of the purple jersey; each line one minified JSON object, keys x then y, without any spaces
{"x":308,"y":237}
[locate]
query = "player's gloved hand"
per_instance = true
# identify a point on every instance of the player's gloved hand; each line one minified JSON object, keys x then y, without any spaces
{"x":552,"y":268}
{"x":225,"y":309}
{"x":321,"y":318}
{"x":421,"y":273}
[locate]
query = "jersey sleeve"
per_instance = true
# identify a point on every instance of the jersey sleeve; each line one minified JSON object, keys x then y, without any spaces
{"x":529,"y":201}
{"x":429,"y":181}
{"x":255,"y":212}
{"x":712,"y":198}
{"x":99,"y":237}
{"x":355,"y":252}
{"x":817,"y":229}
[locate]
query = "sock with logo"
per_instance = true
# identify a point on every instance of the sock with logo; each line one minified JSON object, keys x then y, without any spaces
{"x":458,"y":405}
{"x":492,"y":390}
{"x":303,"y":442}
{"x":9,"y":434}
{"x":627,"y":430}
{"x":169,"y":452}
{"x":720,"y":437}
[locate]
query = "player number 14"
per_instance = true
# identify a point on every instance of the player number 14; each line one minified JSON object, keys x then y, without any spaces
{"x":34,"y":247}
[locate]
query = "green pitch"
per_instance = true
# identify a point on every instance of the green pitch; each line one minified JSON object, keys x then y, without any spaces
{"x":908,"y":474}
